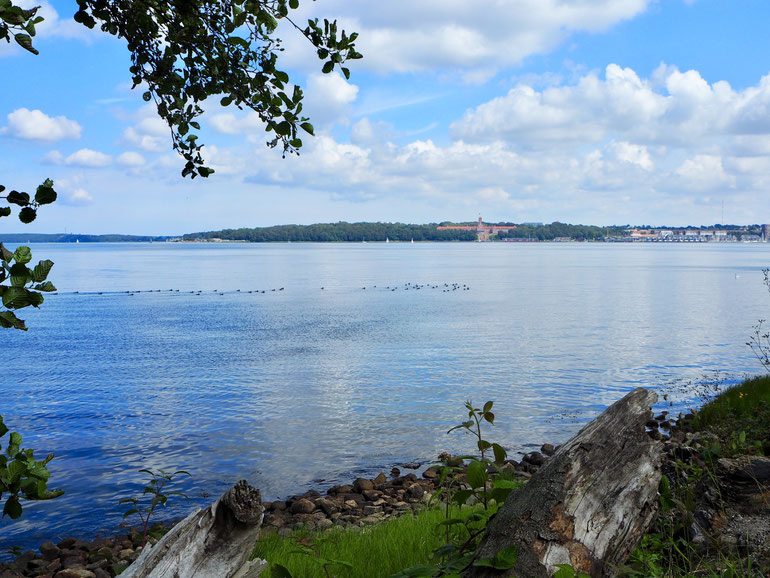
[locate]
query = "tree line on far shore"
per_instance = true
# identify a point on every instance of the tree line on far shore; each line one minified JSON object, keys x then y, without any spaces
{"x":374,"y":232}
{"x":336,"y":232}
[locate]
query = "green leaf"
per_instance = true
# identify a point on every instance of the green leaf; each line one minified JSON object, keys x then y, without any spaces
{"x":22,"y":255}
{"x":20,"y":275}
{"x":5,"y":211}
{"x":283,"y":128}
{"x":307,"y":127}
{"x":8,"y":320}
{"x":6,"y":254}
{"x":25,"y":41}
{"x":564,"y":571}
{"x":46,"y":287}
{"x":328,"y":67}
{"x":499,"y":495}
{"x":477,"y":475}
{"x":27,"y":215}
{"x":45,"y":195}
{"x":17,"y":198}
{"x":293,"y":4}
{"x":461,"y":496}
{"x":14,"y":444}
{"x":500,"y":453}
{"x":489,"y":416}
{"x":12,"y":508}
{"x":488,"y":406}
{"x":41,"y":270}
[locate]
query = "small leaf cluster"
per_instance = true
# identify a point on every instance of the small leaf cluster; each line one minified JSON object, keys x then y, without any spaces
{"x":19,"y":23}
{"x":153,"y":495}
{"x":458,"y":486}
{"x":184,"y":52}
{"x":44,"y":195}
{"x":21,"y":476}
{"x":25,"y":286}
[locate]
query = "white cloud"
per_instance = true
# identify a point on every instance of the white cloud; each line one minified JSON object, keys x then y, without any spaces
{"x":672,"y":108}
{"x":328,"y":99}
{"x":634,"y":154}
{"x":88,"y":158}
{"x":409,"y":36}
{"x":77,"y":197}
{"x":705,"y":173}
{"x":36,"y":125}
{"x":228,"y":123}
{"x":149,"y":132}
{"x":131,"y":159}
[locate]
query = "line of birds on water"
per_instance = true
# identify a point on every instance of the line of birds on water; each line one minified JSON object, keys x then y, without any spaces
{"x":445,"y":288}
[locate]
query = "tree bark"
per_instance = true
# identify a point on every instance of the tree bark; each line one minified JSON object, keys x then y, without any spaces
{"x":589,"y":505}
{"x":216,"y":541}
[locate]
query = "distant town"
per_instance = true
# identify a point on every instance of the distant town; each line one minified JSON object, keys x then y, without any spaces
{"x":343,"y":232}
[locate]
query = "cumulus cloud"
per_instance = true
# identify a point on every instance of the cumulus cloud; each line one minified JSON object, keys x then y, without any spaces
{"x":408,"y":36}
{"x":36,"y":125}
{"x":672,"y":108}
{"x":149,"y":132}
{"x":88,"y":158}
{"x":131,"y":159}
{"x":77,"y":197}
{"x":328,"y":99}
{"x":634,"y":154}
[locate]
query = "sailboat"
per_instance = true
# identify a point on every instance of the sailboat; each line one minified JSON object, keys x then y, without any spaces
{"x":412,"y":241}
{"x":387,"y":240}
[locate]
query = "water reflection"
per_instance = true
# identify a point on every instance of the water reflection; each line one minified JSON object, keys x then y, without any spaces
{"x":287,"y":387}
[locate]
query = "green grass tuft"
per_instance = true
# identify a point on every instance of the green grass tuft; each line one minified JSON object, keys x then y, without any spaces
{"x":373,"y":551}
{"x":740,"y":417}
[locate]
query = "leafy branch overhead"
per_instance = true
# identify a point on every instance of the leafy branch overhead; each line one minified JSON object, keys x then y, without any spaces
{"x":26,"y":285}
{"x":21,"y":476}
{"x":182,"y":52}
{"x":18,"y":23}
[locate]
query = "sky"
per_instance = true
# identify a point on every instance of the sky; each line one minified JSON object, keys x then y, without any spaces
{"x":602,"y":112}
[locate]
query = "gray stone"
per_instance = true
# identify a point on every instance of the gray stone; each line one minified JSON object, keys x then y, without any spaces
{"x":548,"y":449}
{"x":372,"y":495}
{"x":49,"y":551}
{"x":327,"y":506}
{"x":361,"y":484}
{"x":430,"y":474}
{"x":302,"y":506}
{"x":535,"y":458}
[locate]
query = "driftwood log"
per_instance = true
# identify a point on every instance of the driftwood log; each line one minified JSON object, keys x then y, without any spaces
{"x":589,"y":505}
{"x":215,"y":542}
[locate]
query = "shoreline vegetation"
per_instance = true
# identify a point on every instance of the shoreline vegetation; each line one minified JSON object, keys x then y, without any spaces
{"x":713,"y":519}
{"x":343,"y":232}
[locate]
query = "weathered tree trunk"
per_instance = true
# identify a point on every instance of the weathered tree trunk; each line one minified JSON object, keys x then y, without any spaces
{"x":213,"y":542}
{"x":589,"y":505}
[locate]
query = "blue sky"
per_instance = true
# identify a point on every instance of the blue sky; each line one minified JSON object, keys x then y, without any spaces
{"x":583,"y":111}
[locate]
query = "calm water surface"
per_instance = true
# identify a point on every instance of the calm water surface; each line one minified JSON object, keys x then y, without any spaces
{"x":325,"y":380}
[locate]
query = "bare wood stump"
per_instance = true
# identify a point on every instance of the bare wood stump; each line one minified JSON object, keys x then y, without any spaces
{"x":589,"y":505}
{"x":213,"y":542}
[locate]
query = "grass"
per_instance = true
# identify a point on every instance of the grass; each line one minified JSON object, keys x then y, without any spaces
{"x":373,"y":551}
{"x":739,"y":421}
{"x":740,"y":417}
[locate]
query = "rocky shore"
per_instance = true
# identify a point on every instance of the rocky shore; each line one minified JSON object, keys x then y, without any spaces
{"x":731,"y":512}
{"x":362,"y":502}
